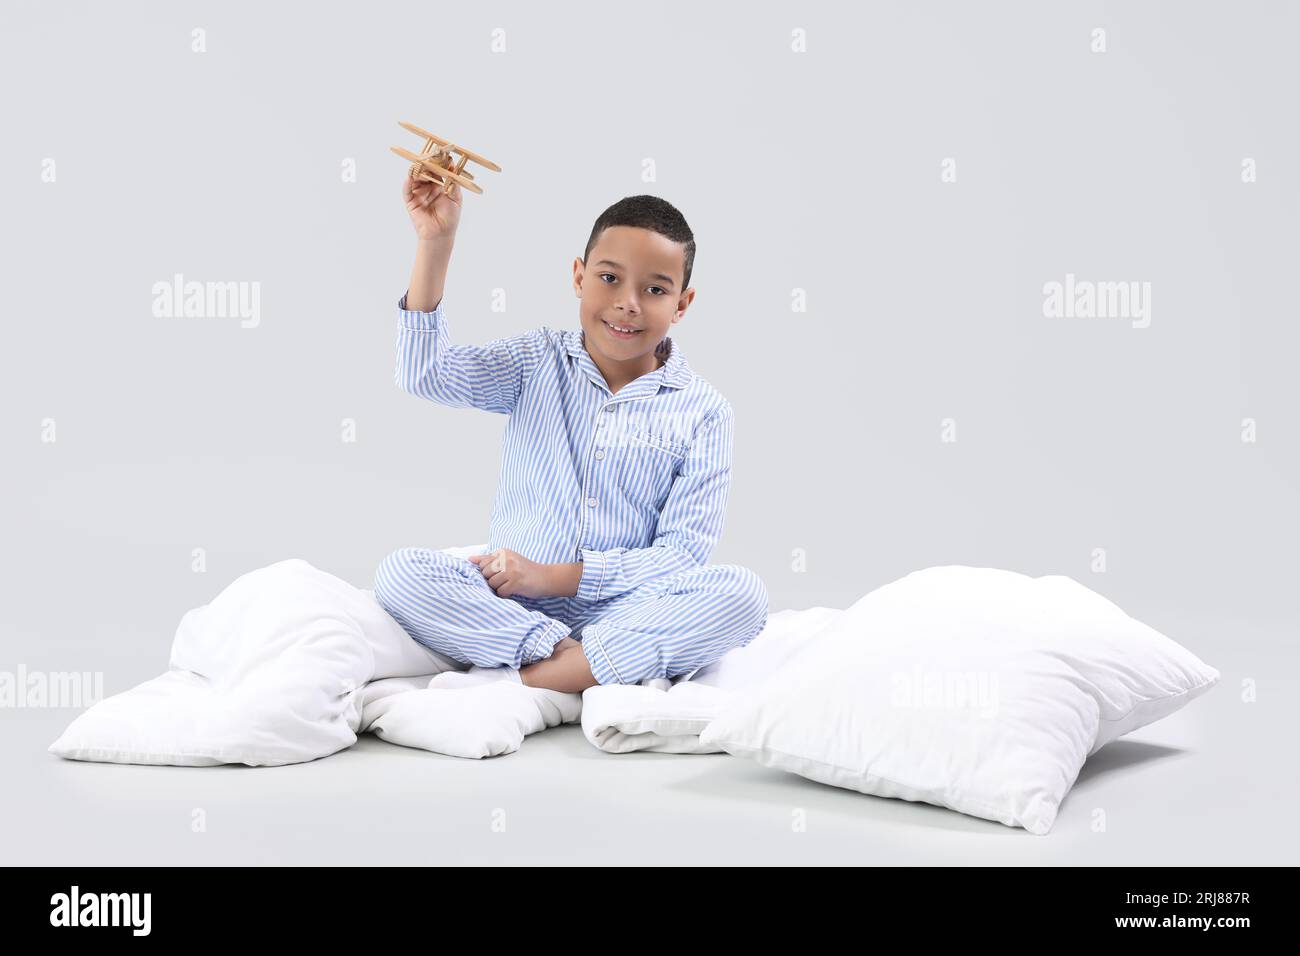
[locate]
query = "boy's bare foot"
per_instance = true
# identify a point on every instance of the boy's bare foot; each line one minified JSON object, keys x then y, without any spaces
{"x":566,"y":670}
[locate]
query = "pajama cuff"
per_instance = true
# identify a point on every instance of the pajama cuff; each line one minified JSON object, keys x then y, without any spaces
{"x":593,"y":575}
{"x":543,"y":645}
{"x":602,"y":668}
{"x":418,"y":321}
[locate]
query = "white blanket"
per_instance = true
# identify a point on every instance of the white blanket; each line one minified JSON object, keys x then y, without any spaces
{"x":290,"y":663}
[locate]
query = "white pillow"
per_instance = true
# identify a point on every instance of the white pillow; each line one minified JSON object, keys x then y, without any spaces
{"x":486,"y":721}
{"x":976,"y":689}
{"x":267,"y":673}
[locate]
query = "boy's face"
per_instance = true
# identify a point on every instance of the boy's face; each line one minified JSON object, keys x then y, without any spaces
{"x":633,"y":279}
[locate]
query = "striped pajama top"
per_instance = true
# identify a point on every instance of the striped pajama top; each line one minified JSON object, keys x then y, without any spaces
{"x":633,"y":484}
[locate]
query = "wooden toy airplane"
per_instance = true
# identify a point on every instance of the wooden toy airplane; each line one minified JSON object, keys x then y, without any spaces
{"x":436,"y":164}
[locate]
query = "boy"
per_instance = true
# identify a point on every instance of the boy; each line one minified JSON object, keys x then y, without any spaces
{"x":615,"y":473}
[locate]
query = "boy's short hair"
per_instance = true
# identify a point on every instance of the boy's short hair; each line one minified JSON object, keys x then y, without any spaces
{"x":648,"y":212}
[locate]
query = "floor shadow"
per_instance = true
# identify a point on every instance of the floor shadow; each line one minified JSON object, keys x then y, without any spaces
{"x":741,"y":779}
{"x":1119,"y":755}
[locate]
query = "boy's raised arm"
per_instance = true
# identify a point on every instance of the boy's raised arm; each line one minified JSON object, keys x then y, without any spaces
{"x":429,"y":275}
{"x":435,"y":216}
{"x":429,"y":365}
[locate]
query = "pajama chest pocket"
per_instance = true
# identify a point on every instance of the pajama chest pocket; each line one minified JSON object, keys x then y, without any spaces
{"x":667,"y":445}
{"x":650,"y":463}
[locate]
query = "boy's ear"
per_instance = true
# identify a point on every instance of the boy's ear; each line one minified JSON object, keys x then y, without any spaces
{"x":684,"y":301}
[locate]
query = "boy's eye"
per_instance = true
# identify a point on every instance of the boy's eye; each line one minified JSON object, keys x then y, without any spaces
{"x":661,"y":291}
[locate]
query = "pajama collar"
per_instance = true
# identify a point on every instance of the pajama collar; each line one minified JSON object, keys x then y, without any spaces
{"x":674,"y":373}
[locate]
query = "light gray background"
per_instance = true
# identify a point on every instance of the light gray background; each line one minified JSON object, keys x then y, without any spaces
{"x":817,"y":171}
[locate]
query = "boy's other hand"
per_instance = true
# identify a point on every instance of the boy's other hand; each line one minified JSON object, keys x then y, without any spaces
{"x":509,"y":573}
{"x":434,"y":213}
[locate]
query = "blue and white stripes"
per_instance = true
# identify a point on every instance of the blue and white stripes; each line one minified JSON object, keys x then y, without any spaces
{"x":633,"y":484}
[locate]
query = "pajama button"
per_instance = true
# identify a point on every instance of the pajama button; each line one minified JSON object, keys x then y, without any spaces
{"x":591,"y":502}
{"x":600,"y":454}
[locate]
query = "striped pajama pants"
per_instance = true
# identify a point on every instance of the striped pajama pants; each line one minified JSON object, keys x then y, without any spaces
{"x":667,"y":627}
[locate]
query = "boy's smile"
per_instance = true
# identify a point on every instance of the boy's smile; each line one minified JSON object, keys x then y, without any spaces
{"x":631,"y":295}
